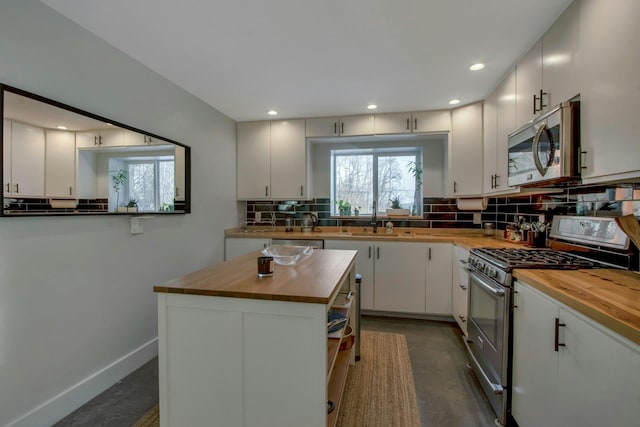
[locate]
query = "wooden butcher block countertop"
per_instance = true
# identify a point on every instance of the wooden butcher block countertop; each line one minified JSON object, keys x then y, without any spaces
{"x":314,"y":280}
{"x":610,"y":297}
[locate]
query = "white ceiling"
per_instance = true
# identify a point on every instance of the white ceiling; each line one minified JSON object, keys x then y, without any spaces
{"x":323,"y":57}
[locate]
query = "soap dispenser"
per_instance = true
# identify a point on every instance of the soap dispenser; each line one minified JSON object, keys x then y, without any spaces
{"x":389,"y":227}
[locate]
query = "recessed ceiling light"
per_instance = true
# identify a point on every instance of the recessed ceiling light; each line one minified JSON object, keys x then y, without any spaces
{"x":372,"y":106}
{"x":476,"y":67}
{"x":454,"y":102}
{"x":61,"y":127}
{"x":272,"y":112}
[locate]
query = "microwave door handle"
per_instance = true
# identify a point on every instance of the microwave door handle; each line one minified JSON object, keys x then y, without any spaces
{"x":534,"y":150}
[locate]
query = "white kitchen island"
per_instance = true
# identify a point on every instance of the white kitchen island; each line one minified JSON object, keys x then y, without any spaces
{"x":238,"y":350}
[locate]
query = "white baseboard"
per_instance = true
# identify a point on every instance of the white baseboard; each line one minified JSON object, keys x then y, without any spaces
{"x":56,"y":408}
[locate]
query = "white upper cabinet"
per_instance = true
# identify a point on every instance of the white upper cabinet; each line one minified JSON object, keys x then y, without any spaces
{"x":27,"y":161}
{"x":393,"y":123}
{"x":417,"y":122}
{"x":549,"y":73}
{"x":529,"y":84}
{"x":272,"y":160}
{"x":432,"y":121}
{"x":489,"y":142}
{"x":506,"y":111}
{"x":466,"y":150}
{"x":340,"y":126}
{"x":610,"y":96}
{"x":288,"y":160}
{"x":60,"y":164}
{"x":101,"y":138}
{"x":561,"y":58}
{"x":254,"y":160}
{"x":180,"y":171}
{"x":357,"y":125}
{"x":138,"y":139}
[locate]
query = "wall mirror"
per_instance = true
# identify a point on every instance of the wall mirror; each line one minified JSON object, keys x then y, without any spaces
{"x":60,"y":160}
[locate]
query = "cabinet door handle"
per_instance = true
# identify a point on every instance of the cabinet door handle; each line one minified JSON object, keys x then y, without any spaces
{"x":378,"y":252}
{"x":496,"y":181}
{"x":463,"y":287}
{"x":455,"y":187}
{"x":542,"y":104}
{"x":8,"y":187}
{"x":95,"y":140}
{"x":301,"y":190}
{"x":462,"y":319}
{"x":535,"y":98}
{"x":342,"y":128}
{"x":100,"y":140}
{"x":335,"y":128}
{"x":17,"y":186}
{"x":429,"y":254}
{"x":177,"y":192}
{"x":266,"y":190}
{"x":581,"y":159}
{"x":71,"y":191}
{"x":408,"y":125}
{"x":557,"y":342}
{"x":415,"y":124}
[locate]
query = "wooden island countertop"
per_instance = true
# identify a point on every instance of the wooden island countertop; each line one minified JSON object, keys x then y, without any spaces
{"x":315,"y":280}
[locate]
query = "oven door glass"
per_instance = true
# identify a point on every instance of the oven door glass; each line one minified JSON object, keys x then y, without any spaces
{"x":487,"y":313}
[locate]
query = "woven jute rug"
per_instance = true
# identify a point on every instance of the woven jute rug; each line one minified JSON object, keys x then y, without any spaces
{"x":379,"y":392}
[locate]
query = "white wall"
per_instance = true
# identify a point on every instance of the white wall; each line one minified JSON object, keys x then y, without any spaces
{"x":434,"y":162}
{"x":76,"y":293}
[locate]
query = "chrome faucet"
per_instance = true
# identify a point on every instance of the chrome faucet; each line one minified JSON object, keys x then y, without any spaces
{"x":374,"y":218}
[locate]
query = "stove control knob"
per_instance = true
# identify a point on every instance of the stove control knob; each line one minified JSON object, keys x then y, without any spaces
{"x":493,"y":273}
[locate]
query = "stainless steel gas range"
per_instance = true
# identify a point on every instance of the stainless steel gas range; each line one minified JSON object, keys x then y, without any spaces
{"x":587,"y":242}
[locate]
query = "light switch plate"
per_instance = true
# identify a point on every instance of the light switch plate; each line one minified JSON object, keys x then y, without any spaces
{"x":258,"y":217}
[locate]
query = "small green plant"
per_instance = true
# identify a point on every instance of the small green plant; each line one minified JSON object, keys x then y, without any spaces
{"x":118,"y":178}
{"x":395,"y":202}
{"x":132,"y":203}
{"x":416,"y":171}
{"x":344,"y":207}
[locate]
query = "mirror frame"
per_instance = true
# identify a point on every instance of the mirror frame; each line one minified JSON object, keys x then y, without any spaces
{"x":187,"y":160}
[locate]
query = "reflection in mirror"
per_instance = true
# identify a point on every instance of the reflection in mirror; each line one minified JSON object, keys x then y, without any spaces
{"x":59,"y":160}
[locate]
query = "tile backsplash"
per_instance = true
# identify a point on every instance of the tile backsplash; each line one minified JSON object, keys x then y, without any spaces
{"x":589,"y":200}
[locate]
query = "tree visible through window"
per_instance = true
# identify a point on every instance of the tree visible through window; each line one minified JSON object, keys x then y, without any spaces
{"x":362,"y":176}
{"x":151,"y":183}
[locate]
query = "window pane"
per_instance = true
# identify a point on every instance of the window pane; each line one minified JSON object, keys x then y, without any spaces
{"x":354,"y":181}
{"x":166,"y":183}
{"x":396,"y":181}
{"x":142,"y":185}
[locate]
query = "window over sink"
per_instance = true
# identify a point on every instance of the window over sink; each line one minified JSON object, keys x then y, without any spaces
{"x":361,"y":175}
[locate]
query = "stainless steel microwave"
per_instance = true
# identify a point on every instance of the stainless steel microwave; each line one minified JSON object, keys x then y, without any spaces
{"x":546,"y":150}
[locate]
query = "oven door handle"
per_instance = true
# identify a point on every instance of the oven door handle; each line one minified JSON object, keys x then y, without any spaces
{"x":497,"y":388}
{"x":496,"y":290}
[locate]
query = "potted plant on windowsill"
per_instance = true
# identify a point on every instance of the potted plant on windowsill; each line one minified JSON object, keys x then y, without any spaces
{"x":344,"y":208}
{"x":396,"y":209}
{"x":119,"y":178}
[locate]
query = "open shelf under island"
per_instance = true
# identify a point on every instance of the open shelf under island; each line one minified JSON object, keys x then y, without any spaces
{"x":238,"y":350}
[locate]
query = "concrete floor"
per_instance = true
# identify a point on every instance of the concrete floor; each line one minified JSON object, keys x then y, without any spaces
{"x":448,"y":394}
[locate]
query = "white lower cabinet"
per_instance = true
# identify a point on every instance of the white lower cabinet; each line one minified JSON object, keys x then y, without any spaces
{"x":402,"y":277}
{"x":590,"y":378}
{"x":364,"y":267}
{"x":237,"y":246}
{"x":460,"y":287}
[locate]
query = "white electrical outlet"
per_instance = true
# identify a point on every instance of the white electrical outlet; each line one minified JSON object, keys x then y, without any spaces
{"x":258,"y":217}
{"x":477,"y":218}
